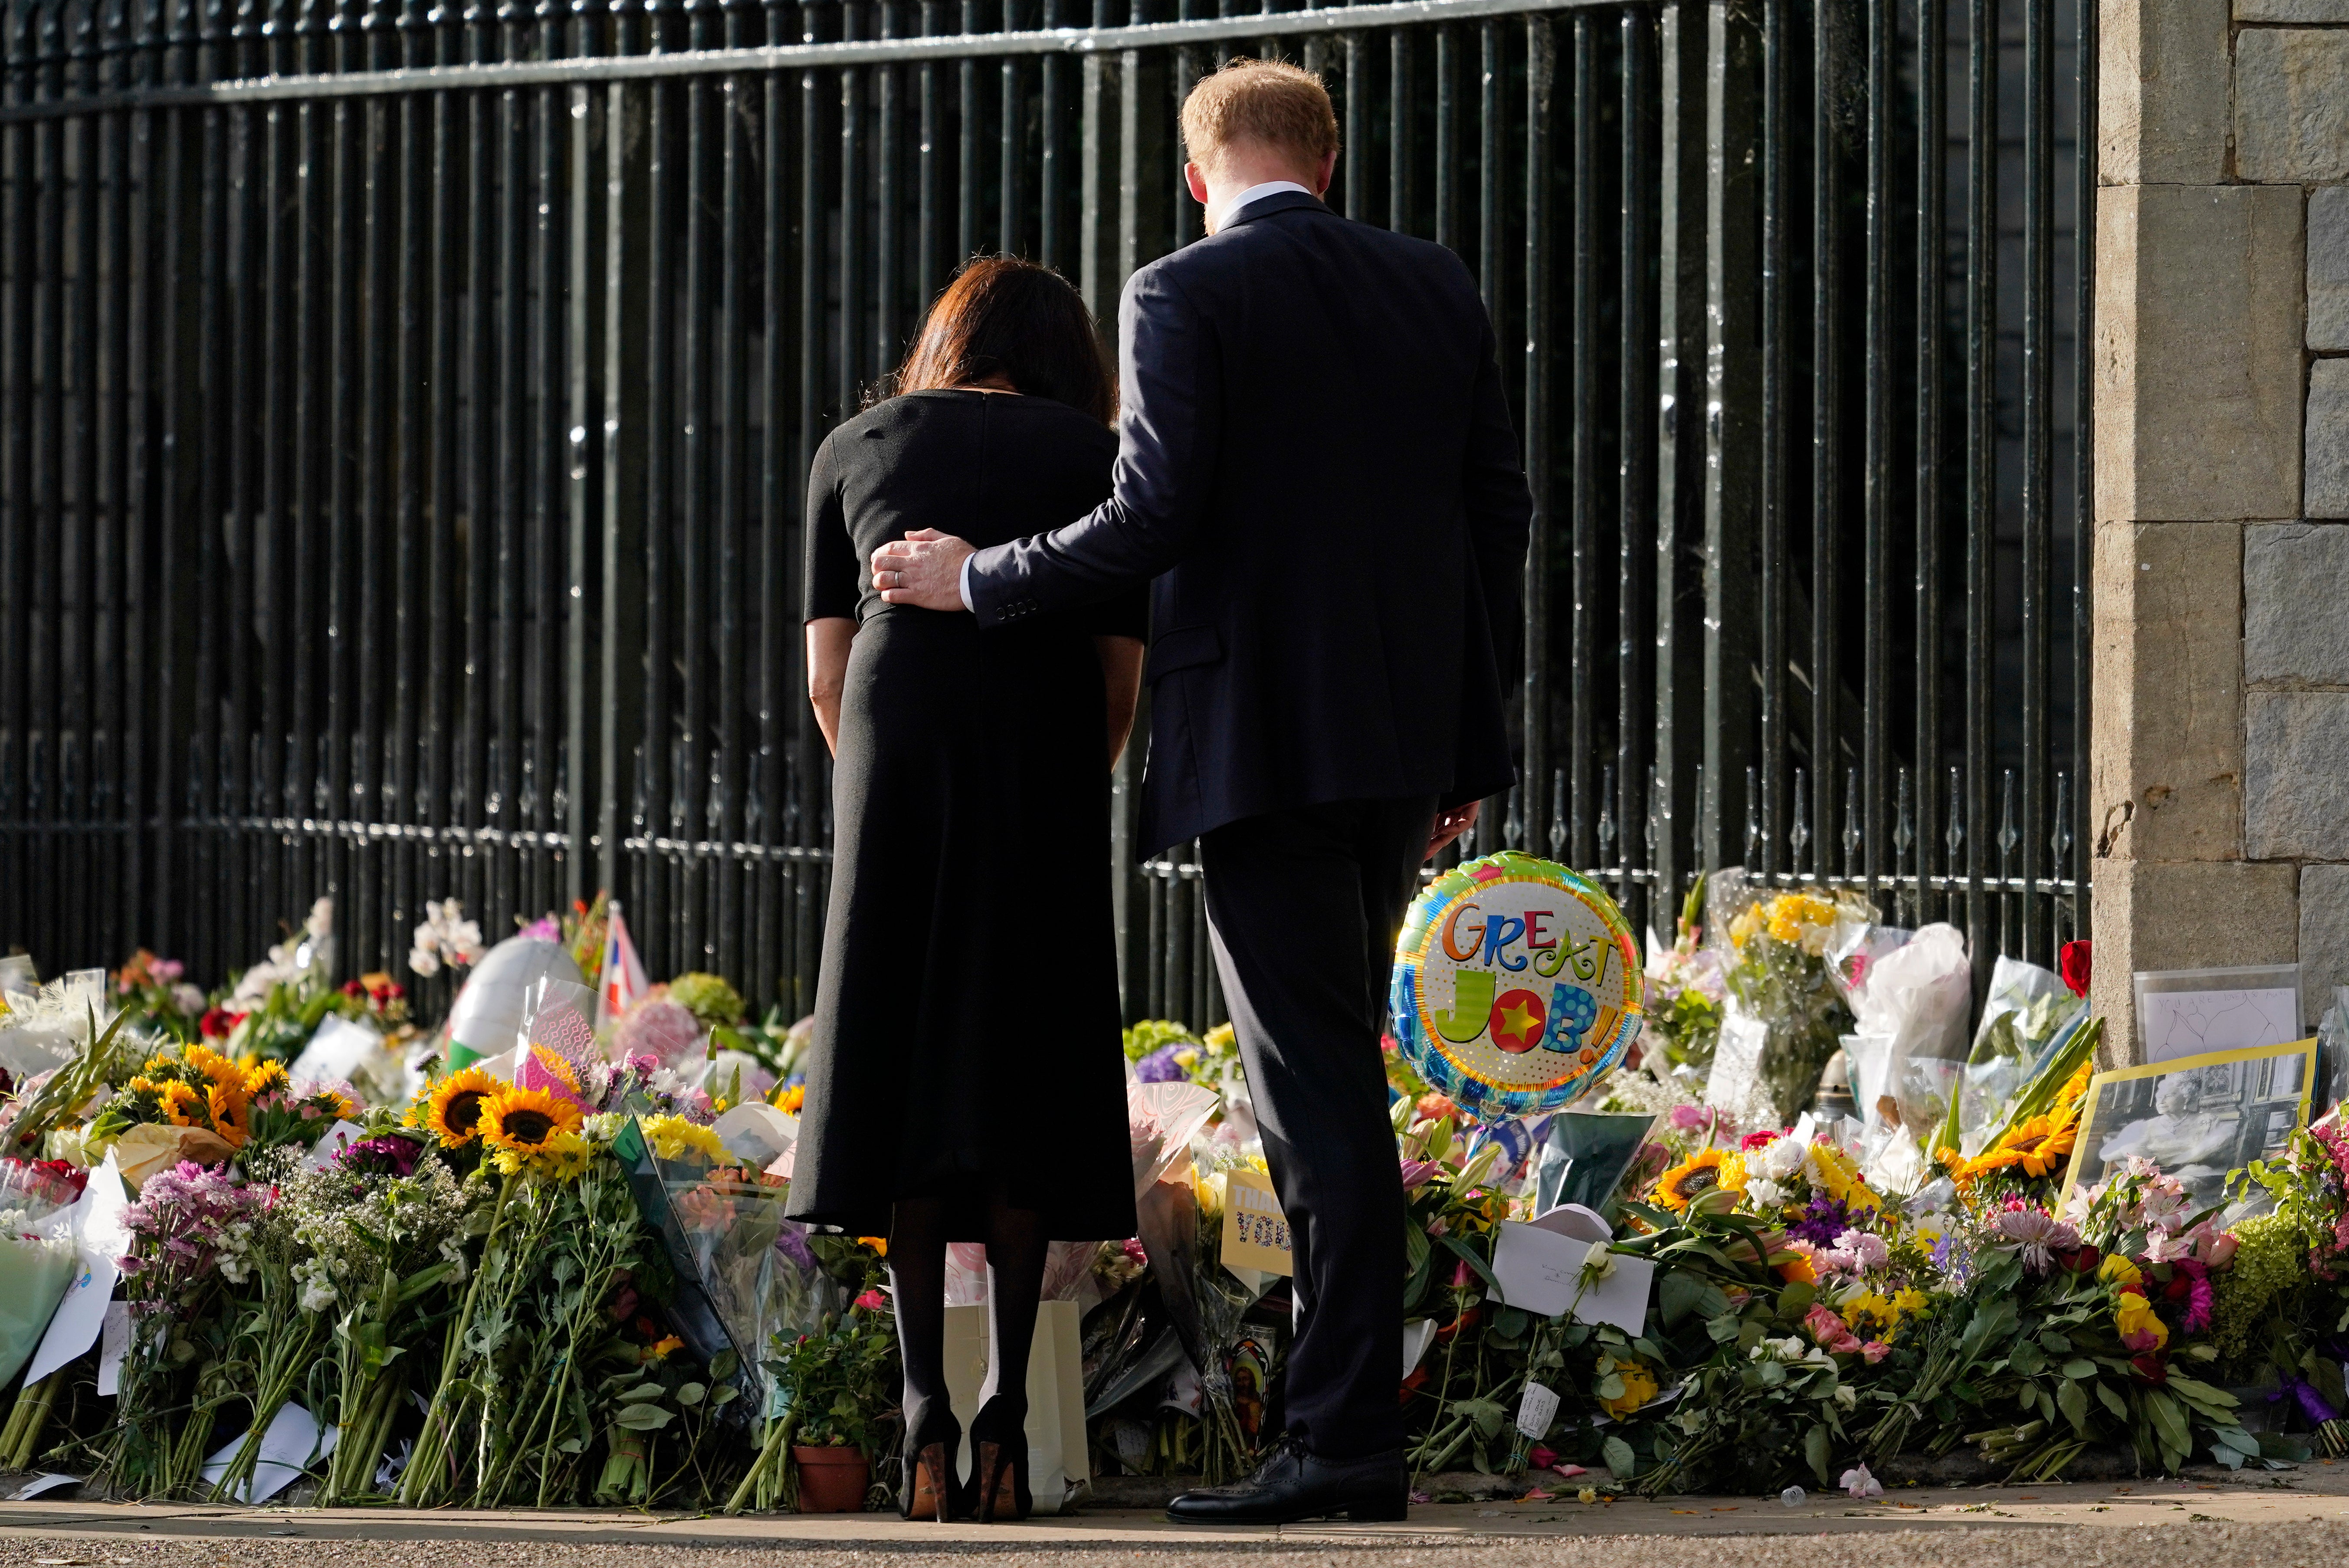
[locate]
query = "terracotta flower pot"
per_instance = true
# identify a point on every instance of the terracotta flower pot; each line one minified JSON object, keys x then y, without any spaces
{"x":832,"y":1480}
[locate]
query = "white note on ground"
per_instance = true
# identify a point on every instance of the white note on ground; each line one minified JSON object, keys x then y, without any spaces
{"x":292,"y":1444}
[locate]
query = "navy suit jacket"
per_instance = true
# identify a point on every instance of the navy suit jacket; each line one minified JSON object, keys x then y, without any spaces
{"x":1317,"y":464}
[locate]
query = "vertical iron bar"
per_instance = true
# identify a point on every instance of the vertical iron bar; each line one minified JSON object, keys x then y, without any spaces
{"x":1582,"y":630}
{"x":1982,"y":452}
{"x":1875,"y":591}
{"x":1826,"y":428}
{"x":1635,"y":429}
{"x":1540,"y":76}
{"x":1775,"y":393}
{"x":1932,"y":150}
{"x":2038,"y":449}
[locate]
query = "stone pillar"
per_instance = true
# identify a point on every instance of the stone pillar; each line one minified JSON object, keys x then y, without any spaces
{"x":2221,"y":731}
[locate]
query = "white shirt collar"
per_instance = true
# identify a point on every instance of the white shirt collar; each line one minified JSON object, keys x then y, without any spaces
{"x":1217,"y":221}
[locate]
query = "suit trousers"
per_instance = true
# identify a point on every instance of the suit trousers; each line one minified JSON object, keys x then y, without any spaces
{"x":1304,"y":906}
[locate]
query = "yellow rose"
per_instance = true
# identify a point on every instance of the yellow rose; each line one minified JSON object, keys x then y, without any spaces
{"x":2137,"y":1316}
{"x":1638,"y":1387}
{"x":2121,"y":1272}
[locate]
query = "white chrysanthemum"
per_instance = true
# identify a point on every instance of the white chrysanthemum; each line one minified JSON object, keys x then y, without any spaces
{"x":1762,"y":1193}
{"x":1779,"y":1159}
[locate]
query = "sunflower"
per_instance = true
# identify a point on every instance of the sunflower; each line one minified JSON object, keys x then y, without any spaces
{"x":224,"y":1072}
{"x":269,"y":1077}
{"x":2042,"y":1143}
{"x":519,"y":1121}
{"x":1682,"y":1185}
{"x":183,"y":1106}
{"x":230,"y":1117}
{"x":339,"y":1104}
{"x":454,"y":1112}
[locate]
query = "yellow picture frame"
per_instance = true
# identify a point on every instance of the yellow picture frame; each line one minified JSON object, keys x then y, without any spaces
{"x":2101,"y":1082}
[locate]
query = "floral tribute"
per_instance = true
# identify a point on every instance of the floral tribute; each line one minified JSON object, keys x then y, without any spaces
{"x":562,"y":1276}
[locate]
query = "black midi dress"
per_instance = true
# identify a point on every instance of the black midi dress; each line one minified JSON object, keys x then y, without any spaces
{"x":967,"y":1016}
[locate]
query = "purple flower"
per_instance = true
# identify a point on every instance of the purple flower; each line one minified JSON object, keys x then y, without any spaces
{"x":1822,"y":1222}
{"x":2037,"y":1235}
{"x":387,"y":1156}
{"x":1160,"y":1067}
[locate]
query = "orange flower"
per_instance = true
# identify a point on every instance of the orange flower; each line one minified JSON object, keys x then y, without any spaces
{"x":230,"y":1116}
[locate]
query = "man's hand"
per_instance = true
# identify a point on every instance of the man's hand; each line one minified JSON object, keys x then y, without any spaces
{"x":1450,"y":826}
{"x":924,"y":569}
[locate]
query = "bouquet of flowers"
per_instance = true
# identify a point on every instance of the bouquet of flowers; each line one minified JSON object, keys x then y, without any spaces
{"x":36,"y":1254}
{"x":1785,"y":1015}
{"x":1686,"y":989}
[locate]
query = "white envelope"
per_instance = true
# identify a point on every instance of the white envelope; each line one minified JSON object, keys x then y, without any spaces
{"x":1539,"y":1268}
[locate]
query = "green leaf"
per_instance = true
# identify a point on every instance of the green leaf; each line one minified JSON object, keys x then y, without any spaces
{"x":723,"y":1364}
{"x":692,"y":1394}
{"x":2242,"y":1441}
{"x":1468,"y":1255}
{"x":1620,"y":1462}
{"x":643,"y":1418}
{"x":1610,"y":1387}
{"x":1677,"y":1294}
{"x":1818,"y":1447}
{"x":726,"y":1391}
{"x":642,"y":1392}
{"x":2079,"y":1368}
{"x":2055,"y":1344}
{"x":2074,"y":1403}
{"x":2112,"y":1401}
{"x":1795,"y":1299}
{"x":1510,"y":1322}
{"x":2026,"y":1358}
{"x":2168,"y":1422}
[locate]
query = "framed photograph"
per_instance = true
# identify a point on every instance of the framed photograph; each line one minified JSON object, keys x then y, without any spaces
{"x":2198,"y":1118}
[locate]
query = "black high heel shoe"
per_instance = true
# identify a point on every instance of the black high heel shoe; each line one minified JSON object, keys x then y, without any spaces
{"x":999,"y":1442}
{"x":927,"y":1489}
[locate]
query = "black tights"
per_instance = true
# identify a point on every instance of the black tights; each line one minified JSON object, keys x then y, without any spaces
{"x":1016,"y":1245}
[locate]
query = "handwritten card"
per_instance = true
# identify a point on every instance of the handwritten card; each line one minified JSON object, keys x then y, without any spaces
{"x":2190,"y":1022}
{"x":1541,"y":1269}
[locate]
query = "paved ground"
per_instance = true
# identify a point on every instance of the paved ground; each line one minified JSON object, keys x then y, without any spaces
{"x":2279,"y":1520}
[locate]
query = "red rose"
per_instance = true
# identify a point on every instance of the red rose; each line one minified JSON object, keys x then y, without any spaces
{"x":2073,"y":959}
{"x":2082,"y":1260}
{"x":2149,"y":1367}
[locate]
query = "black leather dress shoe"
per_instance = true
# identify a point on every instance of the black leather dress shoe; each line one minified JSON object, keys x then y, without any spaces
{"x":1293,"y":1483}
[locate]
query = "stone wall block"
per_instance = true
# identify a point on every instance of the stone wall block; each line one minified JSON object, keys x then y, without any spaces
{"x":2295,"y":624}
{"x":2200,"y":323}
{"x":2296,"y":775}
{"x":2324,"y":936}
{"x":2164,"y":914}
{"x":2167,"y":724}
{"x":2292,"y":104}
{"x":2162,"y":94}
{"x":2328,"y":262}
{"x":2291,"y":10}
{"x":2325,"y":482}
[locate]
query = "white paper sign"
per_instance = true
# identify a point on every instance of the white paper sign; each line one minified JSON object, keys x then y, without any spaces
{"x":340,"y":1048}
{"x":1536,"y":1410}
{"x":99,"y":1237}
{"x":113,"y":1344}
{"x":1541,"y":1271}
{"x":339,"y":1136}
{"x":291,"y":1445}
{"x":2188,"y":1023}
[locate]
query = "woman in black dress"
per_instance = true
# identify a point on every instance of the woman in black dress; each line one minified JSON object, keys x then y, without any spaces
{"x":965,"y":1081}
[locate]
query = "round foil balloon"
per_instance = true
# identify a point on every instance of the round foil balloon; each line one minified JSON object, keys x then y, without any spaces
{"x":1516,"y":985}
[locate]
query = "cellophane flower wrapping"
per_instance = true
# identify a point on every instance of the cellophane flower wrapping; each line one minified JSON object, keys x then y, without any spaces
{"x":37,"y":1255}
{"x":1785,"y":1014}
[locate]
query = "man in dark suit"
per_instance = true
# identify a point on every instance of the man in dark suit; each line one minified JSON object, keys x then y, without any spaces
{"x":1317,"y":465}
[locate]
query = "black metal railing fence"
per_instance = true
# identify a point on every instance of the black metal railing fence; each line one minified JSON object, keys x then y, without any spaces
{"x":404,"y":411}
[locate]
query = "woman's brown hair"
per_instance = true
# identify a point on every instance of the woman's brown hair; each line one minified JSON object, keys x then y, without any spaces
{"x":1004,"y":317}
